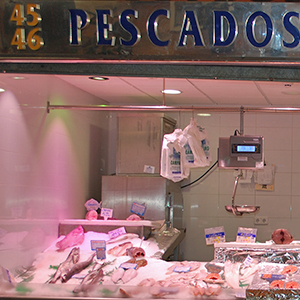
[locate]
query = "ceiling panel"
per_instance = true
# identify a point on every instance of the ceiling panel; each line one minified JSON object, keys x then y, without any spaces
{"x":281,"y":93}
{"x":148,"y":91}
{"x":226,"y":92}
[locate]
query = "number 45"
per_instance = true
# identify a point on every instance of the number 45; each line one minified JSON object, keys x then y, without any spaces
{"x":33,"y":40}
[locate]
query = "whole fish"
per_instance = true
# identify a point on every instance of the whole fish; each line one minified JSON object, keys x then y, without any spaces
{"x":77,"y":268}
{"x":90,"y":279}
{"x":66,"y":265}
{"x":75,"y":237}
{"x":135,"y":252}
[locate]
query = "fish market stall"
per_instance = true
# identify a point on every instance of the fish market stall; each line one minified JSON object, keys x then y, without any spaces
{"x":92,"y":264}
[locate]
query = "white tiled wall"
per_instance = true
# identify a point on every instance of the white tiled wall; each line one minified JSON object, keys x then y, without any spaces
{"x":205,"y":200}
{"x":50,"y":164}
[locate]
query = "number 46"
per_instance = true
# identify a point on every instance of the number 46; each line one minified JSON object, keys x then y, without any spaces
{"x":33,"y":40}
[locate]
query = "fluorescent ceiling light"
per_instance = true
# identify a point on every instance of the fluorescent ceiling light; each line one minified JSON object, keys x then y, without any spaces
{"x":98,"y":78}
{"x":171,"y":92}
{"x":18,"y":77}
{"x":203,"y":115}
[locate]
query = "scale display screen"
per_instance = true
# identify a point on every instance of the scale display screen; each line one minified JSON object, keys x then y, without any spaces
{"x":241,"y":152}
{"x":245,"y":148}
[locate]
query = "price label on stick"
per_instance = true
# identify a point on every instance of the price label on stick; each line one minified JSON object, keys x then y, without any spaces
{"x":138,"y":209}
{"x":92,"y":204}
{"x":117,"y":232}
{"x":100,"y":253}
{"x":106,"y":213}
{"x":97,"y":244}
{"x":127,"y":265}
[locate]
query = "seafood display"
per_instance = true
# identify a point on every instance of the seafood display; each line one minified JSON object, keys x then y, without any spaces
{"x":291,"y":285}
{"x":282,"y":236}
{"x":213,"y":278}
{"x":90,"y":280}
{"x":74,"y":238}
{"x":276,"y":281}
{"x":66,"y":266}
{"x":117,"y":275}
{"x":77,"y":268}
{"x":130,"y":268}
{"x":135,"y":252}
{"x":290,"y":269}
{"x":184,"y":265}
{"x":120,"y":250}
{"x":91,"y":215}
{"x":133,"y":217}
{"x":128,"y":275}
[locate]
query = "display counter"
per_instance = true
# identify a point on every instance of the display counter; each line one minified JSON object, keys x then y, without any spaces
{"x":77,"y":265}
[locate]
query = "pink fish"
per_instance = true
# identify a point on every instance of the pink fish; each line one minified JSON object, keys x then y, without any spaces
{"x":91,"y":215}
{"x":75,"y":237}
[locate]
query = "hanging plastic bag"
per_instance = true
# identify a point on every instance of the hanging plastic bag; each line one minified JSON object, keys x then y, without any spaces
{"x":186,"y":151}
{"x":198,"y":143}
{"x":171,"y":164}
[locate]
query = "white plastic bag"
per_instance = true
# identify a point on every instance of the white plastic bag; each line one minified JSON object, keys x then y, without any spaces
{"x":171,"y":164}
{"x":198,"y":142}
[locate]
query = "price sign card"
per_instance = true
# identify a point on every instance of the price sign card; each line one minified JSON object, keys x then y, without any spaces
{"x":138,"y":209}
{"x":106,"y":213}
{"x":117,"y":232}
{"x":100,"y":253}
{"x":182,"y":269}
{"x":92,"y":204}
{"x":127,"y":266}
{"x":214,"y":235}
{"x":246,"y":235}
{"x":97,"y":244}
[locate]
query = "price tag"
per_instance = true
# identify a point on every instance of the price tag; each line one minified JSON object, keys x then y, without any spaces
{"x":182,"y":269}
{"x":117,"y":232}
{"x":97,"y":244}
{"x":248,"y":261}
{"x":138,"y":209}
{"x":246,"y":235}
{"x":100,"y":253}
{"x":127,"y":266}
{"x":6,"y":275}
{"x":106,"y":213}
{"x":214,"y":235}
{"x":272,"y":277}
{"x":92,"y":204}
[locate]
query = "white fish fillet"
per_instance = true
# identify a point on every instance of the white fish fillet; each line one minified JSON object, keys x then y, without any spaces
{"x":129,"y":274}
{"x":120,"y":250}
{"x":231,"y":272}
{"x":117,"y":275}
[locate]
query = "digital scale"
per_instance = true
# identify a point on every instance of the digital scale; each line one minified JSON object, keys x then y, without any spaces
{"x":241,"y":152}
